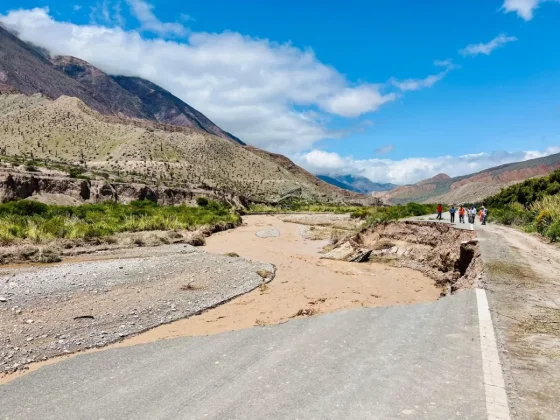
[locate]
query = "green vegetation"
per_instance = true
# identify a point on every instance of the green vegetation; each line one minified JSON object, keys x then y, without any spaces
{"x":41,"y":223}
{"x":297,"y":205}
{"x":370,"y":215}
{"x":533,"y":205}
{"x":380,"y":214}
{"x":527,"y":192}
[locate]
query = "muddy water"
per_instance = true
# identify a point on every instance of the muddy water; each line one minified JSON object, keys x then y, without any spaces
{"x":304,"y":284}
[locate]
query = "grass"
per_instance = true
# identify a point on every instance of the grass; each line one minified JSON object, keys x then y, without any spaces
{"x":380,"y":214}
{"x":302,"y":207}
{"x":542,"y":216}
{"x":39,"y":223}
{"x":533,"y":205}
{"x":371,"y":215}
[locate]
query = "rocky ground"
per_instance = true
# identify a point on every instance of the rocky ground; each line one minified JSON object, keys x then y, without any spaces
{"x":80,"y":304}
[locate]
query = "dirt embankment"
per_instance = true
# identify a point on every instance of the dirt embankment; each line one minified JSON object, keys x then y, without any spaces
{"x":449,"y":256}
{"x":15,"y":185}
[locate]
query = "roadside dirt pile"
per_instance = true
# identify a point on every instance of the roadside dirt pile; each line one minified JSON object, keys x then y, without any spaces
{"x":449,"y":256}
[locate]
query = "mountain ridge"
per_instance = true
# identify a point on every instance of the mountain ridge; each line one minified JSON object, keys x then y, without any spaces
{"x":28,"y":69}
{"x":61,"y":114}
{"x":472,"y":187}
{"x":359,"y":184}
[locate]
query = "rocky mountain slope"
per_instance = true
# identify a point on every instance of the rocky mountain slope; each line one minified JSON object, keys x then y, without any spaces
{"x":66,"y":131}
{"x":359,"y":184}
{"x":471,"y":188}
{"x":61,"y":115}
{"x":29,"y":70}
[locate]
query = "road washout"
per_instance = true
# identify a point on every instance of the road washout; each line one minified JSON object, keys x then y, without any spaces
{"x":450,"y":256}
{"x":304,"y":283}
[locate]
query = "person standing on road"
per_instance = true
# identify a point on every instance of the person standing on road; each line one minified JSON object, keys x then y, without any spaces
{"x":473,"y":214}
{"x":452,"y":212}
{"x":439,"y":211}
{"x":484,"y":215}
{"x":461,"y":214}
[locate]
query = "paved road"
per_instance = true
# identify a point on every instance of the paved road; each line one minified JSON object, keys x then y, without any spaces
{"x":447,"y":219}
{"x":411,"y":362}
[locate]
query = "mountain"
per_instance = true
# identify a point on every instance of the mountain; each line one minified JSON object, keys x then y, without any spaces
{"x":62,"y":116}
{"x":163,"y":107}
{"x":65,"y":132}
{"x":28,"y":69}
{"x":359,"y":184}
{"x":471,"y":188}
{"x":24,"y":69}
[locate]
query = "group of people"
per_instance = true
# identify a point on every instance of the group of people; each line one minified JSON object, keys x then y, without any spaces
{"x":462,"y":211}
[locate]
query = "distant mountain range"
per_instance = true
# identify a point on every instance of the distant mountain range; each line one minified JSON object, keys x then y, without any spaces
{"x":359,"y":184}
{"x":471,"y":188}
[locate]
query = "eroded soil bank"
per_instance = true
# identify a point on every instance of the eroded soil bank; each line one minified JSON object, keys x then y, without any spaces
{"x":448,"y":255}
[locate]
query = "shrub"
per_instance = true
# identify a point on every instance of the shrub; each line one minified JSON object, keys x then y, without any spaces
{"x":76,"y":172}
{"x":40,"y":223}
{"x":553,"y":231}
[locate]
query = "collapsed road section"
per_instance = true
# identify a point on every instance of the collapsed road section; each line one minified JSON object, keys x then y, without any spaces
{"x":448,"y":255}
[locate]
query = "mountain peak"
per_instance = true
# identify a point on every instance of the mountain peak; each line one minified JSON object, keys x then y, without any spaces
{"x":27,"y":69}
{"x":441,"y":177}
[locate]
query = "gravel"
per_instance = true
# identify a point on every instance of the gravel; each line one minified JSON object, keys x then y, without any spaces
{"x":51,"y":310}
{"x":268,"y":233}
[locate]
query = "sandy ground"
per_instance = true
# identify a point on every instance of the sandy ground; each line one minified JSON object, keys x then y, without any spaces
{"x":303,"y":284}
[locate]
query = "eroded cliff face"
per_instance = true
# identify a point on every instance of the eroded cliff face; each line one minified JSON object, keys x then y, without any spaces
{"x":58,"y":190}
{"x":448,"y":255}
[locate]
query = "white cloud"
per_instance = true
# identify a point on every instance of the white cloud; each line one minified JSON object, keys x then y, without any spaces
{"x":412,"y":170}
{"x":259,"y":90}
{"x":429,"y":81}
{"x":353,"y":102}
{"x":523,"y":8}
{"x":143,"y":12}
{"x":384,"y":149}
{"x":487,"y":48}
{"x":104,"y":13}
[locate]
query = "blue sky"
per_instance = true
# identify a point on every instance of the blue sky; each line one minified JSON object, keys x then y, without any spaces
{"x":396,"y":91}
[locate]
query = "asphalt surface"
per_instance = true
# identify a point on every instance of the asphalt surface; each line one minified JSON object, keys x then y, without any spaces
{"x":409,"y":362}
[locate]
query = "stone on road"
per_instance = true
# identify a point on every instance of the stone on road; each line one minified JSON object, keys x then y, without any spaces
{"x":411,"y":362}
